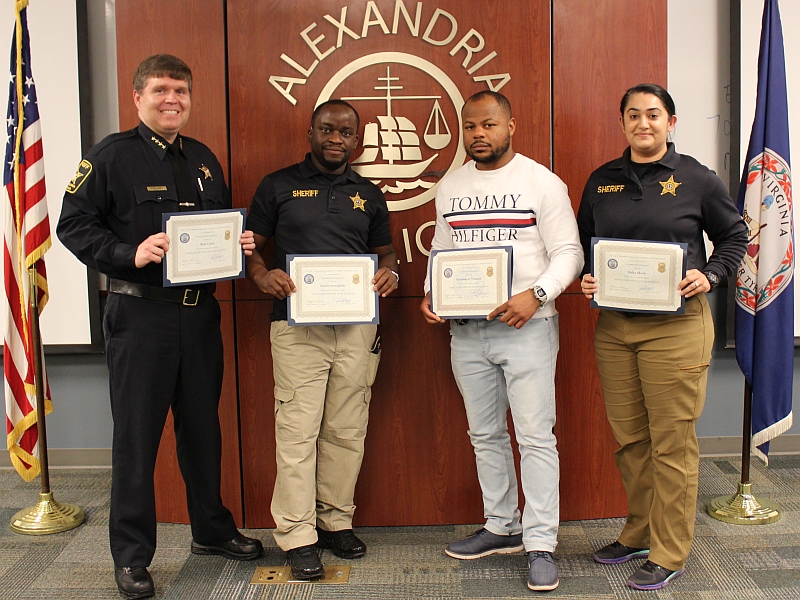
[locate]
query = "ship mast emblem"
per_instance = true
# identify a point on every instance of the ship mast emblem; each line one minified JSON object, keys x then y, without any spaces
{"x":395,"y":137}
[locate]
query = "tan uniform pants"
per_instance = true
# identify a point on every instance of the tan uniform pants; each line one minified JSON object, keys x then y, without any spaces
{"x":323,"y":376}
{"x":654,"y":371}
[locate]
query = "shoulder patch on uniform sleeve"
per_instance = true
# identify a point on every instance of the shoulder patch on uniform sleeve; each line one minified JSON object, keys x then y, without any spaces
{"x":84,"y":170}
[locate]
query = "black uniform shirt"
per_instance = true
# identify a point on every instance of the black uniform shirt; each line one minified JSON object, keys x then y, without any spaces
{"x":678,"y":199}
{"x":122,"y":187}
{"x":310,"y":212}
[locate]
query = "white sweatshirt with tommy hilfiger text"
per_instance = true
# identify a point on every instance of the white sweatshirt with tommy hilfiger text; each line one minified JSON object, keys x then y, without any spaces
{"x":523,"y":205}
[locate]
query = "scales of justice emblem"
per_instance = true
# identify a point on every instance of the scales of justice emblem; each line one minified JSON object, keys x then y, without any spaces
{"x":392,"y":155}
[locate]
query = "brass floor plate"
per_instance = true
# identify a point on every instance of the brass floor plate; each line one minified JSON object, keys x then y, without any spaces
{"x":269,"y":575}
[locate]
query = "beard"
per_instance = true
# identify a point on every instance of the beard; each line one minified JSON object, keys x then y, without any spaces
{"x":332,"y":165}
{"x":494,"y":155}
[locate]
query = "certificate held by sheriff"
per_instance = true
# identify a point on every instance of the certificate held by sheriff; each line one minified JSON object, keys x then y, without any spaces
{"x":332,"y":289}
{"x":203,"y":246}
{"x":638,"y":276}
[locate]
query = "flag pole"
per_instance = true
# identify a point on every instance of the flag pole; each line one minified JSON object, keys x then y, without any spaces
{"x":744,"y":508}
{"x":46,"y":516}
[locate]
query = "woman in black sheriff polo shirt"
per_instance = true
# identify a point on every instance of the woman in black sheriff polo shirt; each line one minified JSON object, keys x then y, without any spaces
{"x":654,"y":367}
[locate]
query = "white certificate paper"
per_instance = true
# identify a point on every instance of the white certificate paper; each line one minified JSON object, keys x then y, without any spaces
{"x":332,"y":289}
{"x":469,"y":283}
{"x":638,"y":276}
{"x":203,"y":246}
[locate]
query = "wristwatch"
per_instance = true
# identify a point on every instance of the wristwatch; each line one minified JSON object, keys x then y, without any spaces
{"x":712,"y":277}
{"x":540,"y":295}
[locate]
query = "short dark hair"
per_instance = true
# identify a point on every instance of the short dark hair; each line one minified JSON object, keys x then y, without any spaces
{"x":649,"y":88}
{"x":161,"y":65}
{"x":334,"y":102}
{"x":496,"y":96}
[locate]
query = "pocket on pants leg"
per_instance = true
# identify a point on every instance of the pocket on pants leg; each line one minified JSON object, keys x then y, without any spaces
{"x":287,"y":425}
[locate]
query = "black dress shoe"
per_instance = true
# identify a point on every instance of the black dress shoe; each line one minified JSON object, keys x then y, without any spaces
{"x":343,"y":544}
{"x":134,"y":582}
{"x":238,"y":548}
{"x":305,"y":562}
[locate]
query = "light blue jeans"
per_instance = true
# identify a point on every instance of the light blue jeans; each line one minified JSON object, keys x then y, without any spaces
{"x":497,"y":367}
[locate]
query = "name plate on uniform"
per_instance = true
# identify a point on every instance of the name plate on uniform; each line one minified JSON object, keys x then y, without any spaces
{"x":332,"y":289}
{"x":638,"y":276}
{"x":469,"y":283}
{"x":203,"y":246}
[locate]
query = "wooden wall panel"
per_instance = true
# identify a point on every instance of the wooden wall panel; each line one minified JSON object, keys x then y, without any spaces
{"x":584,"y":435}
{"x":257,"y":404}
{"x":600,"y":49}
{"x":193,"y":30}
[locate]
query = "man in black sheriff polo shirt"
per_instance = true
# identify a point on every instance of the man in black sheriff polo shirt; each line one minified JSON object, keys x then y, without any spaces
{"x":163,"y":345}
{"x":322,"y":373}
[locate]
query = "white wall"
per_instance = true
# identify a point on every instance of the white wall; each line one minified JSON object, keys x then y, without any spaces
{"x":54,"y":58}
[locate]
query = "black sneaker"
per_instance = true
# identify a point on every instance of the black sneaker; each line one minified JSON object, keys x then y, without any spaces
{"x":651,"y":576}
{"x":483,"y":543}
{"x":616,"y":553}
{"x":305,"y":562}
{"x":343,"y":543}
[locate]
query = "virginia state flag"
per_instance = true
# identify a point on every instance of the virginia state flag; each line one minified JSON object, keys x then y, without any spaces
{"x":764,"y":290}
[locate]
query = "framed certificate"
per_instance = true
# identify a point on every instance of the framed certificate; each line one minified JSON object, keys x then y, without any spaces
{"x":638,"y":276}
{"x":203,"y":246}
{"x":470,"y":283}
{"x":332,"y":289}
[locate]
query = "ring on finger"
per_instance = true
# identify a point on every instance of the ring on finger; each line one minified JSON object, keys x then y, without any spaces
{"x":697,"y":284}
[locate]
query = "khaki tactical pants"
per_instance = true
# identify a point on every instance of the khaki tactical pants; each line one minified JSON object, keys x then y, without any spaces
{"x":323,"y":376}
{"x":654,"y":371}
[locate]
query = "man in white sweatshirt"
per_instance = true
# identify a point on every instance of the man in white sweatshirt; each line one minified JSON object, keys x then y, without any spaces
{"x":508,"y":359}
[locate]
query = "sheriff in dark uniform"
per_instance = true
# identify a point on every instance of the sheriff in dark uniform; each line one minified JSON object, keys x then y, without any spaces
{"x":323,"y":373}
{"x":654,"y":367}
{"x":163,"y":345}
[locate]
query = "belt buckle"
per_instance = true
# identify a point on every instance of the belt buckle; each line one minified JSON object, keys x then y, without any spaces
{"x":187,"y":300}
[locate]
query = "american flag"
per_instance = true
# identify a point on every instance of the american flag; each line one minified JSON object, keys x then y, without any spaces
{"x":27,"y":238}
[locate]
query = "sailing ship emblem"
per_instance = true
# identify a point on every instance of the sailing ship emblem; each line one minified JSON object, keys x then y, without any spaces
{"x":392,"y":147}
{"x":398,"y":155}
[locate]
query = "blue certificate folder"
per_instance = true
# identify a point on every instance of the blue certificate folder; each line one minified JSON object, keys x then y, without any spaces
{"x":205,"y":276}
{"x":510,"y":275}
{"x":328,"y":315}
{"x":683,"y":267}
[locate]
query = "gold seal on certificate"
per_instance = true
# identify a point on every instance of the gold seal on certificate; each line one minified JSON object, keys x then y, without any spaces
{"x":638,"y":276}
{"x":332,"y":289}
{"x":469,"y":283}
{"x":203,"y":246}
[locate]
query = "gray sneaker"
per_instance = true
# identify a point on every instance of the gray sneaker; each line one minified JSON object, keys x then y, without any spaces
{"x":483,"y":543}
{"x":542,"y":571}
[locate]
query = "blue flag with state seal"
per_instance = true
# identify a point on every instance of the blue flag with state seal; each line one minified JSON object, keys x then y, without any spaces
{"x":764,"y":283}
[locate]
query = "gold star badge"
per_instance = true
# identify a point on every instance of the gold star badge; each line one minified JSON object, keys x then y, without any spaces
{"x":206,"y":171}
{"x":358,"y":202}
{"x":669,"y":186}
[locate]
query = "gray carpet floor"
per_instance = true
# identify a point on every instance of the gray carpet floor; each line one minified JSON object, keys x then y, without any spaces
{"x":727,"y":561}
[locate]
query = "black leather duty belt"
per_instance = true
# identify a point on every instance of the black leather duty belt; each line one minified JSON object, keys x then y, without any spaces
{"x":180,"y":295}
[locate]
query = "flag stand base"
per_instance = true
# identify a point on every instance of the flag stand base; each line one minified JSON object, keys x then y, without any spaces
{"x":47,"y":516}
{"x":743,"y":508}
